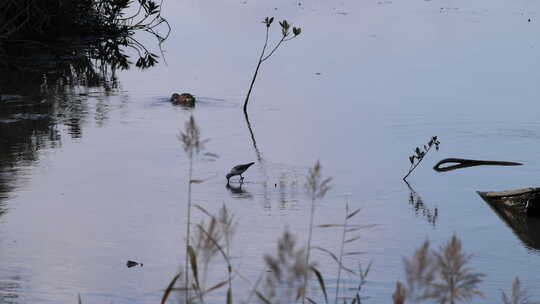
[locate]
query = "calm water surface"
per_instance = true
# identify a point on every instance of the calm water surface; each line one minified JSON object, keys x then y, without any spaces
{"x":101,"y":178}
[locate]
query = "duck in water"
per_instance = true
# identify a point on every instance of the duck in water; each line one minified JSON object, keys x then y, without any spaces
{"x":183,"y":99}
{"x":238,"y":170}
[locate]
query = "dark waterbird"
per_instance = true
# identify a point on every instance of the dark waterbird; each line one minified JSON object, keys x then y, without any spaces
{"x":238,"y":170}
{"x":183,"y":99}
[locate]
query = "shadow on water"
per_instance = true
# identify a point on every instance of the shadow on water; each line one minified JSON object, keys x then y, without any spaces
{"x":420,"y":207}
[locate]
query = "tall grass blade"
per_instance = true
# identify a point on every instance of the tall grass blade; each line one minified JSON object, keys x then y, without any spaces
{"x":310,"y":300}
{"x":353,"y":213}
{"x":399,"y":294}
{"x":215,"y":287}
{"x":207,"y":291}
{"x":353,"y":239}
{"x":169,"y":289}
{"x":211,"y":239}
{"x":194,"y":267}
{"x":203,"y":210}
{"x":342,"y":247}
{"x":210,"y":154}
{"x":329,"y":225}
{"x":365,"y":273}
{"x":335,"y":259}
{"x":354,"y":253}
{"x":300,"y":293}
{"x":321,"y":282}
{"x":229,"y":295}
{"x":360,"y":227}
{"x":262,"y":298}
{"x":197,"y":181}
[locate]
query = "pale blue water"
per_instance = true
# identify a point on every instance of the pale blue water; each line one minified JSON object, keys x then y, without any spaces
{"x":391,"y":75}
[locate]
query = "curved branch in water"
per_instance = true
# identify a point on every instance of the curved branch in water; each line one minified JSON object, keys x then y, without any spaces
{"x":466,"y":163}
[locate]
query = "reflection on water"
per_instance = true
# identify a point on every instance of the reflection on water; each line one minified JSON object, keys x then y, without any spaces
{"x":420,"y":208}
{"x":114,"y":191}
{"x":5,"y":188}
{"x":24,"y":130}
{"x":46,"y":87}
{"x":253,"y":140}
{"x":9,"y":290}
{"x":288,"y":190}
{"x":237,"y":191}
{"x":27,"y":128}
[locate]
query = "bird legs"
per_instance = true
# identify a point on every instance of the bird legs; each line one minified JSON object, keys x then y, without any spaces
{"x":241,"y":181}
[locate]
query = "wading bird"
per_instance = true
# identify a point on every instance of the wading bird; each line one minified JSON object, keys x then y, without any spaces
{"x":238,"y":170}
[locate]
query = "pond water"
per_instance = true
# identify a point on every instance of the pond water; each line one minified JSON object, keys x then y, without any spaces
{"x":101,"y":178}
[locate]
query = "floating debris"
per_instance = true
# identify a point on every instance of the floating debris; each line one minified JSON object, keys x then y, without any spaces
{"x":131,"y":263}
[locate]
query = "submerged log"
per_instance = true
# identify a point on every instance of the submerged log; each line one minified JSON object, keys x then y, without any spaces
{"x":523,"y":201}
{"x":509,"y":193}
{"x":519,"y":209}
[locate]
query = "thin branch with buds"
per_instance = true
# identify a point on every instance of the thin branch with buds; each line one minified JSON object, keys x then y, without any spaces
{"x":286,"y":36}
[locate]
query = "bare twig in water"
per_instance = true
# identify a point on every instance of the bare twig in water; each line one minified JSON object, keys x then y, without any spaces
{"x":286,"y":36}
{"x":420,"y":153}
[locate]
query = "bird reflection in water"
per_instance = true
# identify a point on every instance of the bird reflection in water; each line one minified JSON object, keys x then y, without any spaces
{"x":237,"y":191}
